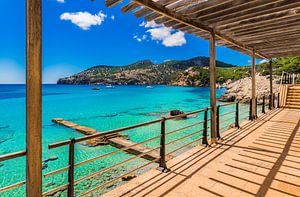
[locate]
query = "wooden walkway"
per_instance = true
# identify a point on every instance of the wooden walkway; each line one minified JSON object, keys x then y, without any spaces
{"x":261,"y":159}
{"x":116,"y":140}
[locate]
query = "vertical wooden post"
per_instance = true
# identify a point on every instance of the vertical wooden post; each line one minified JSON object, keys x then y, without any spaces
{"x":33,"y":98}
{"x":278,"y":100}
{"x":250,"y":110}
{"x":237,"y":124}
{"x":162,"y":162}
{"x":213,"y":102}
{"x":218,"y":122}
{"x":204,"y":134}
{"x":253,"y":73}
{"x":71,"y":168}
{"x":271,"y":76}
{"x":264,"y":105}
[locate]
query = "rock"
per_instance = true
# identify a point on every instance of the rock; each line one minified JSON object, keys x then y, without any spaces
{"x":44,"y":165}
{"x":53,"y":158}
{"x":176,"y":113}
{"x":128,"y":177}
{"x":49,"y":184}
{"x":240,"y":90}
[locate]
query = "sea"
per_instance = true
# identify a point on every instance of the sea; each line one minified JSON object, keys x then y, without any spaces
{"x":105,"y":109}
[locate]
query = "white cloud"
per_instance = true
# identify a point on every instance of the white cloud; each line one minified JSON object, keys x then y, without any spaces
{"x":11,"y":72}
{"x":140,"y":39}
{"x":60,"y":1}
{"x":84,"y":20}
{"x":263,"y":61}
{"x":167,"y":36}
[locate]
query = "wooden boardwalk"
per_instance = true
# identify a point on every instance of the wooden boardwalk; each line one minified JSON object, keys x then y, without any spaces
{"x":261,"y":159}
{"x":116,"y":140}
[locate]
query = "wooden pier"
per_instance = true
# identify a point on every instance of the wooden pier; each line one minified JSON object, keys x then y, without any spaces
{"x":116,"y":140}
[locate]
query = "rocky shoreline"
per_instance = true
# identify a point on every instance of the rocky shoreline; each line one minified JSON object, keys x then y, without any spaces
{"x":240,"y":90}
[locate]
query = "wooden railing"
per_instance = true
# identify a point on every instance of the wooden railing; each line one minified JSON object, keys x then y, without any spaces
{"x":9,"y":157}
{"x":225,"y":120}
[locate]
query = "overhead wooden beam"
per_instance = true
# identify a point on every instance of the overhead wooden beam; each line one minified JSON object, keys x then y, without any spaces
{"x":275,"y":17}
{"x":34,"y":98}
{"x":253,"y":11}
{"x":188,"y":21}
{"x":111,"y":3}
{"x":212,"y":78}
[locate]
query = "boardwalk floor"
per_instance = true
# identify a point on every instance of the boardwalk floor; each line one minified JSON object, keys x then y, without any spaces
{"x":261,"y":159}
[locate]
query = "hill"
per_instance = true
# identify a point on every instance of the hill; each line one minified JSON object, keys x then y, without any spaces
{"x":141,"y":72}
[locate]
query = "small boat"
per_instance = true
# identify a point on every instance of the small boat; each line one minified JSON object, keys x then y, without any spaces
{"x":109,"y":86}
{"x":95,"y":88}
{"x":150,"y":87}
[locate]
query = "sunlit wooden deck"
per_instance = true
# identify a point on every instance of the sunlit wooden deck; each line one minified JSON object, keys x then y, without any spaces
{"x":261,"y":159}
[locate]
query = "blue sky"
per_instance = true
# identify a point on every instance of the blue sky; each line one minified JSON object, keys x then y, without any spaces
{"x":78,"y":34}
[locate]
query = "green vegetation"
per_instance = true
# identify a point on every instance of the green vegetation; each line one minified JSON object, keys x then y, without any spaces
{"x":286,"y":64}
{"x":191,"y":72}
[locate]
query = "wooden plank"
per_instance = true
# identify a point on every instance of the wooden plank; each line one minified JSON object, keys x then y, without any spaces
{"x":213,"y":100}
{"x":129,"y":7}
{"x":250,"y":12}
{"x":261,"y":19}
{"x":188,"y":21}
{"x":34,"y":98}
{"x":114,"y":139}
{"x":111,"y":3}
{"x":253,"y":91}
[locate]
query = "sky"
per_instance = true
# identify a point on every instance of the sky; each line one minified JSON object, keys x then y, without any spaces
{"x":78,"y":34}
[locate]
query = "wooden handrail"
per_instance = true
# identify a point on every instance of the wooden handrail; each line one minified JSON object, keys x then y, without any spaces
{"x":12,"y":155}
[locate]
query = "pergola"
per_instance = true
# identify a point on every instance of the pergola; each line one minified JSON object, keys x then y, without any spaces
{"x":259,"y":28}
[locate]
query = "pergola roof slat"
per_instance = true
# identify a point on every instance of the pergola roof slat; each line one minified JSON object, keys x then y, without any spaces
{"x":270,"y":27}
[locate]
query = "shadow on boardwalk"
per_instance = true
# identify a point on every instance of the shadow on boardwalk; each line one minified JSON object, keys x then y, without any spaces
{"x":261,"y":159}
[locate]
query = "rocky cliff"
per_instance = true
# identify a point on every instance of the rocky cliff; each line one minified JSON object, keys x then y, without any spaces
{"x":141,"y":72}
{"x":240,"y":90}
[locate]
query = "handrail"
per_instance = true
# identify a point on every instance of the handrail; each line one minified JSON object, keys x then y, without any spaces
{"x":97,"y":135}
{"x":12,"y":155}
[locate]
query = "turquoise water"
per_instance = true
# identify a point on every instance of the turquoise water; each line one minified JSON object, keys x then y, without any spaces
{"x":103,"y":110}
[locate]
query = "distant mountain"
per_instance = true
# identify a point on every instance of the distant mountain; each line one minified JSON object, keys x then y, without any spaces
{"x":138,"y":73}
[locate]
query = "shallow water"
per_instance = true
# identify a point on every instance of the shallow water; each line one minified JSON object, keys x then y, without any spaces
{"x":103,"y":110}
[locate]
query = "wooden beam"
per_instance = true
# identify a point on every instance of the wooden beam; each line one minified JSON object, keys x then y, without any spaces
{"x":111,"y":3}
{"x":253,"y":92}
{"x":193,"y":23}
{"x":33,"y":98}
{"x":267,"y":19}
{"x":213,"y":100}
{"x":253,"y":11}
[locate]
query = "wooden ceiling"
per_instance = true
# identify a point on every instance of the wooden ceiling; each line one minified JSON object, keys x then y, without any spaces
{"x":270,"y":27}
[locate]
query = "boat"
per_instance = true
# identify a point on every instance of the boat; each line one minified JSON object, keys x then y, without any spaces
{"x":150,"y":87}
{"x":109,"y":86}
{"x":95,"y":88}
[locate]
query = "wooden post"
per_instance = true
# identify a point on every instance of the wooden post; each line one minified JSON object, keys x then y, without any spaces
{"x":271,"y":76}
{"x":212,"y":70}
{"x":204,"y":137}
{"x":264,"y":105}
{"x":71,"y":168}
{"x":218,"y":122}
{"x":253,"y":72}
{"x":162,"y":162}
{"x":33,"y":98}
{"x":237,"y":124}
